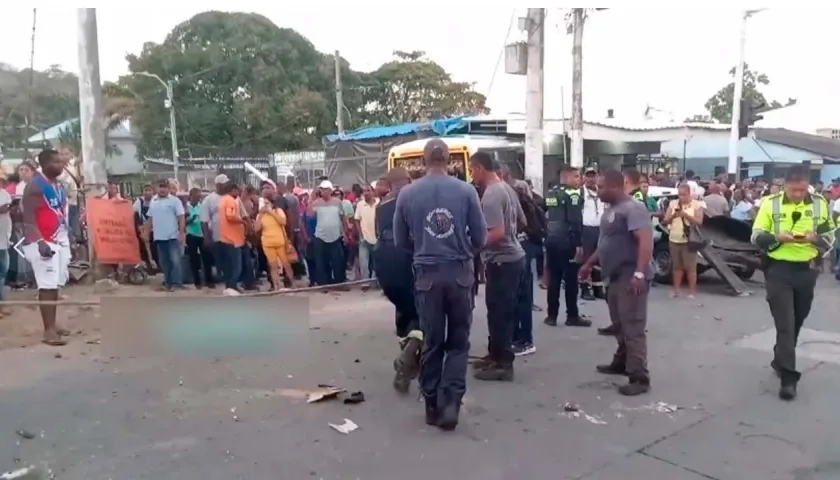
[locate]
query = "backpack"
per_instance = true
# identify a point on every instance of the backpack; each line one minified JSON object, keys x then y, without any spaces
{"x":535,"y":229}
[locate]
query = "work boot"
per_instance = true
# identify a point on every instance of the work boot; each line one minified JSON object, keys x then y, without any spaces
{"x":613,"y":368}
{"x":788,"y":390}
{"x":447,"y":418}
{"x":495,"y":372}
{"x":586,"y":294}
{"x":578,"y":321}
{"x":407,"y":364}
{"x":550,"y":321}
{"x":636,"y":386}
{"x":483,"y":362}
{"x":599,"y":293}
{"x":431,"y":411}
{"x":608,"y":330}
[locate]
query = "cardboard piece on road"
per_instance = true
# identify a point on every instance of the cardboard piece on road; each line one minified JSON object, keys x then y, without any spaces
{"x":114,"y":236}
{"x":324,"y":392}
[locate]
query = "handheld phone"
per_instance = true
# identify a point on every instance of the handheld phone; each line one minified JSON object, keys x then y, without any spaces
{"x":799,"y":236}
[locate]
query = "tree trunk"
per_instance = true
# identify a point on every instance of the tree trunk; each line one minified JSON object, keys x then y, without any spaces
{"x":578,"y":19}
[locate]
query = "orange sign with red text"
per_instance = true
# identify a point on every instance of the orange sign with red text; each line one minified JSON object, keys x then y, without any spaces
{"x":114,"y":236}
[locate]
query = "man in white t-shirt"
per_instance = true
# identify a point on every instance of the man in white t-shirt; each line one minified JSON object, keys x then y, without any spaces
{"x":5,"y":236}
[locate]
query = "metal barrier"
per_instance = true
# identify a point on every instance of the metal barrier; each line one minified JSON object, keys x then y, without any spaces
{"x":94,"y":303}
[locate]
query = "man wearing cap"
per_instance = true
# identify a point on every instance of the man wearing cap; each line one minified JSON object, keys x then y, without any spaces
{"x":593,"y":208}
{"x":439,"y":217}
{"x":331,"y":223}
{"x":208,"y":215}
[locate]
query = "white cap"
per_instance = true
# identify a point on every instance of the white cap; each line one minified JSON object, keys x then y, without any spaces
{"x":221,"y":179}
{"x":373,"y":184}
{"x":326,"y":184}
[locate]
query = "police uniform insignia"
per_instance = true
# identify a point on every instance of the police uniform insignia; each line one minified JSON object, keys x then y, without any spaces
{"x":574,"y":199}
{"x":551,"y":201}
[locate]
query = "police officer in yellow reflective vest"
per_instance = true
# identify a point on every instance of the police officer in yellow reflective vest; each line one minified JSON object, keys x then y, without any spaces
{"x":563,"y":248}
{"x":795,"y":230}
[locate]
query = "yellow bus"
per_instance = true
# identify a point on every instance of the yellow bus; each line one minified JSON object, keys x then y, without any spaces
{"x":461,"y":147}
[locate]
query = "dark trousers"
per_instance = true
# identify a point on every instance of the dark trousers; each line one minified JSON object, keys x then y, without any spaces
{"x":248,"y":273}
{"x":445,"y":304}
{"x":230,"y":258}
{"x":501,"y":290}
{"x":790,"y":292}
{"x":218,"y":249}
{"x":330,"y":261}
{"x":395,"y":277}
{"x":561,"y":268}
{"x":628,"y":313}
{"x":311,"y":264}
{"x":171,"y":256}
{"x":200,"y":258}
{"x":523,"y":333}
{"x":590,"y":244}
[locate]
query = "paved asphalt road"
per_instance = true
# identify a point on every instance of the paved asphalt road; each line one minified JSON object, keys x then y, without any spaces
{"x":712,"y":414}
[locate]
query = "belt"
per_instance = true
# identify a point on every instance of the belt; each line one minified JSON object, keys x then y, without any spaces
{"x":801,"y":265}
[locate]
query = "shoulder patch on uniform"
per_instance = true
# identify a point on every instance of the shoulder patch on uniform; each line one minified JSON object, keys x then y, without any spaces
{"x":574,"y":199}
{"x":551,"y":201}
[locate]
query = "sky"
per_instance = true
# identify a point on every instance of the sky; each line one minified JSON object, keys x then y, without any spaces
{"x":671,"y":59}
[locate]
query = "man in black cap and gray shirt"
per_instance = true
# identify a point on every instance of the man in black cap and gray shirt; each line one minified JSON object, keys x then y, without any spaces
{"x":439,"y":218}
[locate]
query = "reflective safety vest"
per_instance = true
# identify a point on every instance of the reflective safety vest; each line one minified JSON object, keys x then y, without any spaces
{"x":775,"y":216}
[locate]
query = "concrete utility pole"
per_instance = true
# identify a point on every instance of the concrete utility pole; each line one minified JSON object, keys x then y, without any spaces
{"x":90,"y":105}
{"x":578,"y":19}
{"x":339,"y":99}
{"x":94,"y":173}
{"x":169,"y":104}
{"x":534,"y":98}
{"x":737,"y":95}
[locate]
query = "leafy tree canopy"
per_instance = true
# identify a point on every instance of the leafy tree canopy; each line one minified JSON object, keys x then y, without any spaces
{"x":719,"y":105}
{"x":244,"y":85}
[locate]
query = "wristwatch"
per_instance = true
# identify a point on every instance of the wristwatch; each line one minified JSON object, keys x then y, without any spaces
{"x":639,"y":275}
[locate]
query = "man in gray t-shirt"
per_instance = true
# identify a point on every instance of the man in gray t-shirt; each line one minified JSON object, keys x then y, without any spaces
{"x":504,"y":268}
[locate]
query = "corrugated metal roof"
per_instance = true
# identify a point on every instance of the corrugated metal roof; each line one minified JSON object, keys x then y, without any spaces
{"x":439,"y":127}
{"x":123,"y":130}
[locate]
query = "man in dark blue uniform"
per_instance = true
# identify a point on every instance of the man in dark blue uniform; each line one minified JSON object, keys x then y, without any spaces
{"x":393,"y":272}
{"x":563,"y":247}
{"x":440,"y":219}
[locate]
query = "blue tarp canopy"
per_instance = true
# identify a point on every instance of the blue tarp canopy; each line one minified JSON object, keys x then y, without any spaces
{"x":439,"y":127}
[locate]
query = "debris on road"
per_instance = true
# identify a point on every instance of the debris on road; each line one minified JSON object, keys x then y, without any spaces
{"x":26,"y":473}
{"x":658,"y":407}
{"x":578,"y":413}
{"x":345,"y":428}
{"x":324,"y":392}
{"x":355,"y":398}
{"x":26,"y":434}
{"x":571,"y":407}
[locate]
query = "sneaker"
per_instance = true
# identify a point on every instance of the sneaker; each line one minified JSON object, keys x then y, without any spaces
{"x":495,"y":373}
{"x":231,"y":292}
{"x":407,"y":364}
{"x":523,"y":349}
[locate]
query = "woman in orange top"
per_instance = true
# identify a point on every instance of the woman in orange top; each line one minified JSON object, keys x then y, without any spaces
{"x":271,"y":225}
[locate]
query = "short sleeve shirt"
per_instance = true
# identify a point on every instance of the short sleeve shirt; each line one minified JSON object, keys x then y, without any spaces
{"x":617,"y":245}
{"x":499,"y":204}
{"x":164,"y":213}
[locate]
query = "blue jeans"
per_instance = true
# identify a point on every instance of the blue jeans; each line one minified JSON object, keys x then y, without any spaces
{"x":523,"y":331}
{"x":366,"y":259}
{"x":170,"y":253}
{"x":248,"y":275}
{"x":230,"y":259}
{"x":4,"y":270}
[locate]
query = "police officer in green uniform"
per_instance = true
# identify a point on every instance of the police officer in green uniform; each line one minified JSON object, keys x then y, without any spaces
{"x":794,"y":228}
{"x":563,"y":250}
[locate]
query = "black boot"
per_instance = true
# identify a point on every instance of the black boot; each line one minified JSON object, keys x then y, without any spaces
{"x":614,"y":368}
{"x":787,"y":391}
{"x":599,"y":293}
{"x":636,"y":386}
{"x":448,"y":414}
{"x":407,"y":364}
{"x":431,"y":411}
{"x":586,"y":294}
{"x":578,"y":321}
{"x":495,"y":372}
{"x":608,"y":330}
{"x":550,"y":321}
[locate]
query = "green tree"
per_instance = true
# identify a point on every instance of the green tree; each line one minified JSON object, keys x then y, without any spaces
{"x":412,"y":88}
{"x":719,"y":105}
{"x":241,"y":84}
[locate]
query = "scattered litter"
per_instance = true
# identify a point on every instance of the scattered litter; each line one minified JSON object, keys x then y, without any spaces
{"x":355,"y":398}
{"x":324,"y":392}
{"x":345,"y":428}
{"x":593,"y":419}
{"x":25,"y":434}
{"x":719,"y":319}
{"x":27,"y":473}
{"x":96,"y":341}
{"x":235,"y":417}
{"x":571,"y":407}
{"x":659,"y":407}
